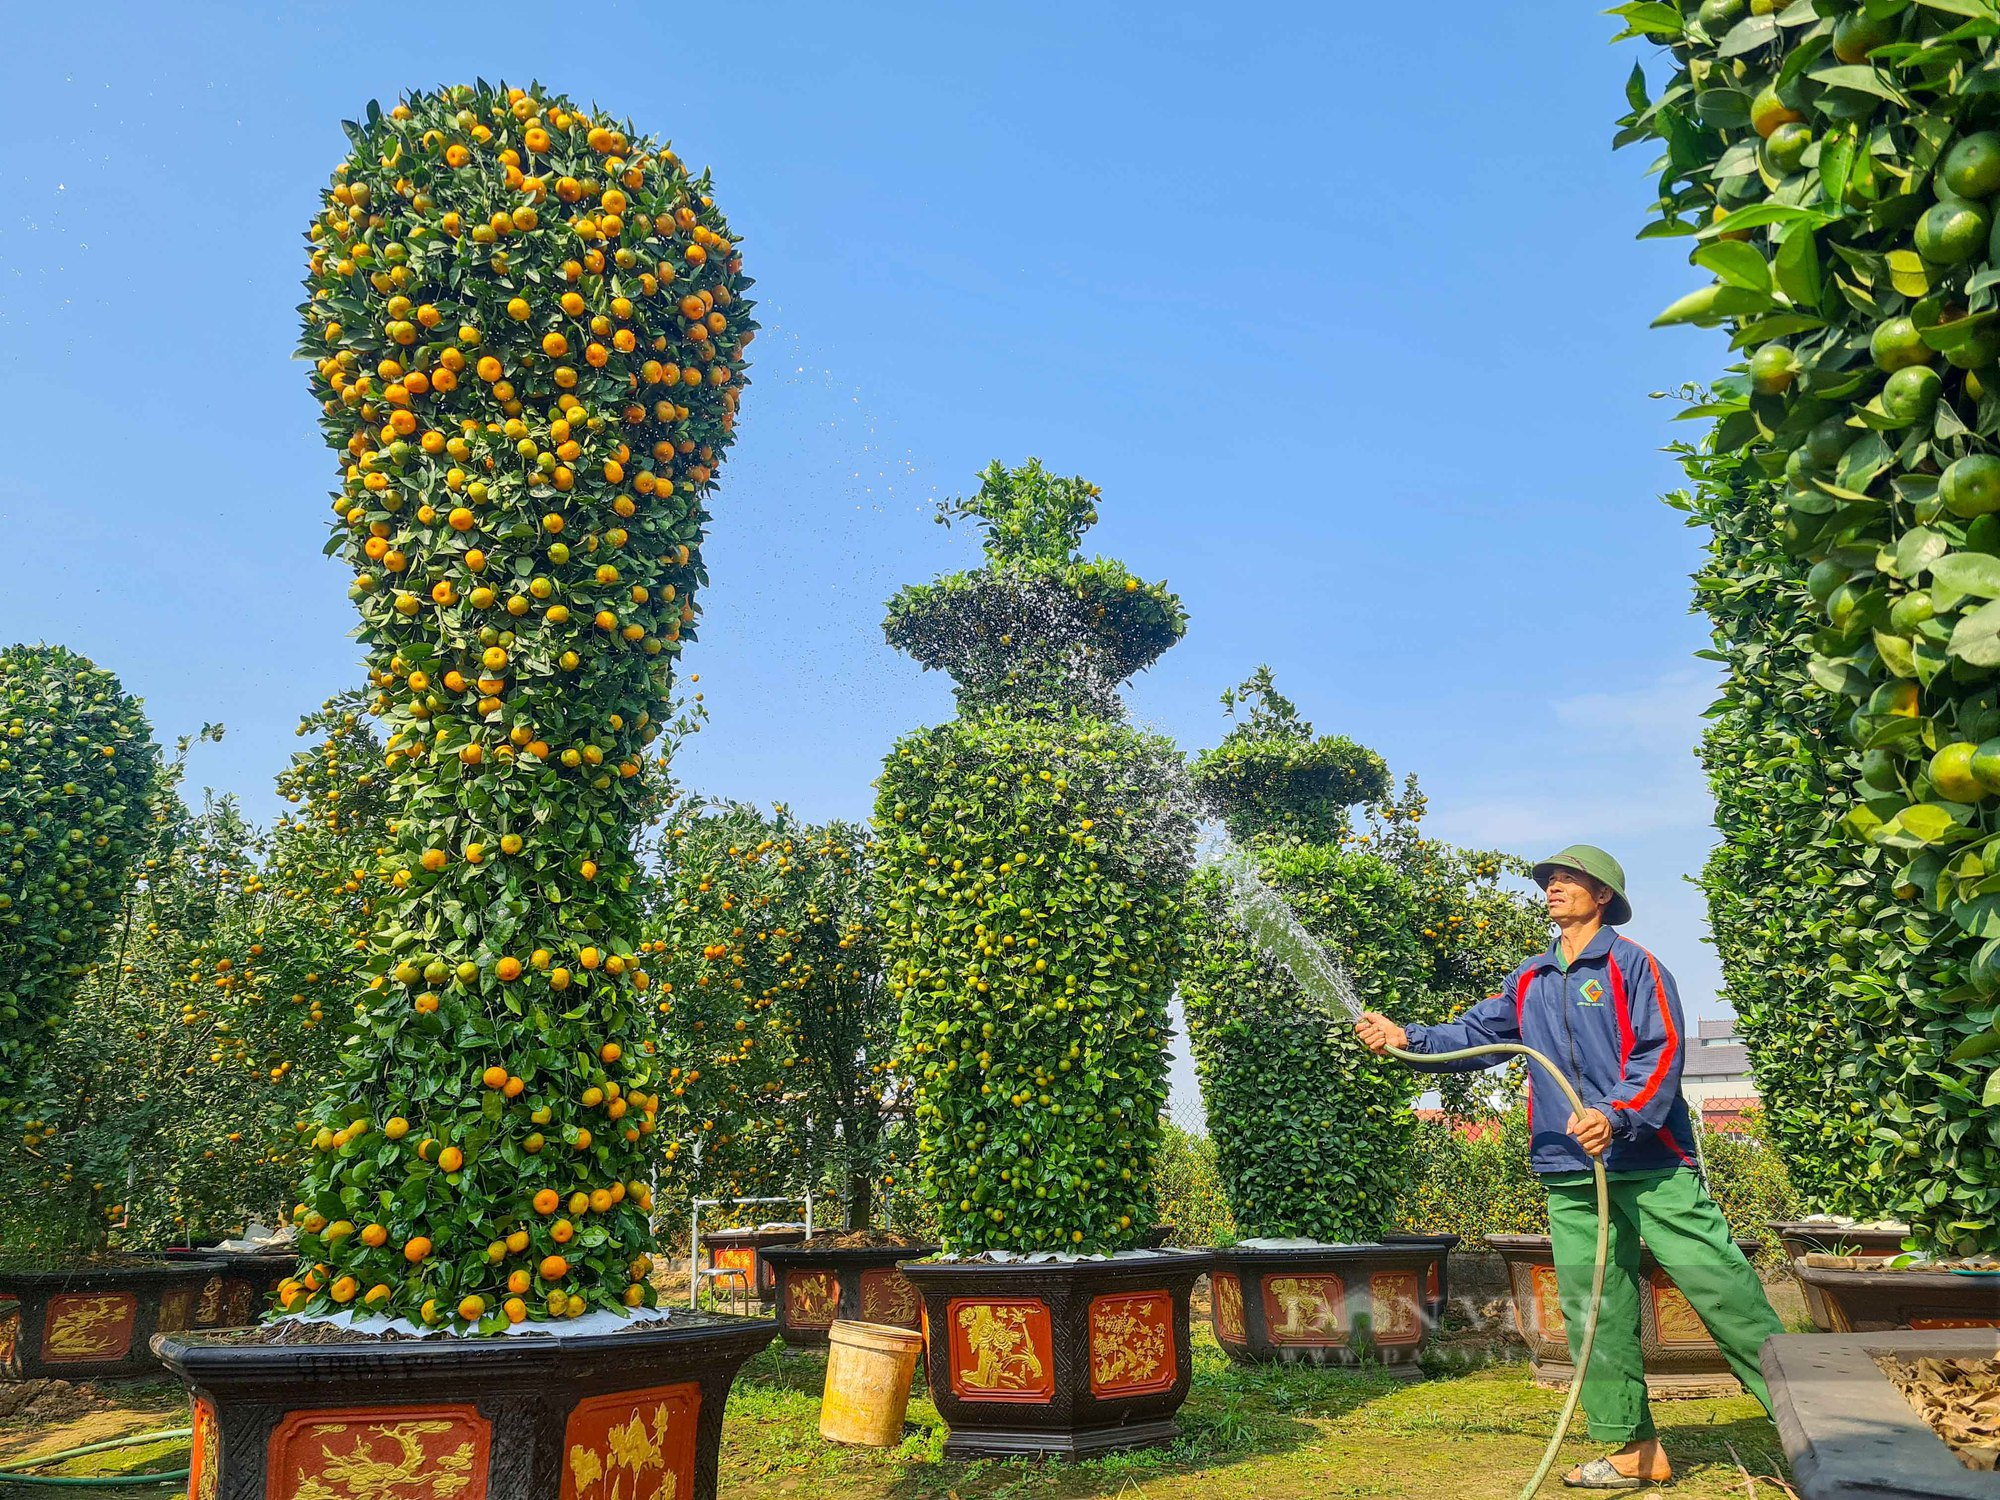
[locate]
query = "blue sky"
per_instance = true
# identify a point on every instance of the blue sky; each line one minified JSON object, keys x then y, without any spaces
{"x":1341,"y":308}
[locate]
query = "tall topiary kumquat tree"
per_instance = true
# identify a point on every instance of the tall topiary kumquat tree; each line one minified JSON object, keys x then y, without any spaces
{"x":528,"y":330}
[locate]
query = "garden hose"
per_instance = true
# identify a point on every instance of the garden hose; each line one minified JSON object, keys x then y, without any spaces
{"x":10,"y":1471}
{"x":1515,"y":1049}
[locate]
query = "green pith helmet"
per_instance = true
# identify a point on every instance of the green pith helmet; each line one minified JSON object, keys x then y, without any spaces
{"x":1595,"y":863}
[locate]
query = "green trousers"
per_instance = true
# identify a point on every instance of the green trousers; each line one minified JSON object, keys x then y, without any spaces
{"x":1680,"y":1224}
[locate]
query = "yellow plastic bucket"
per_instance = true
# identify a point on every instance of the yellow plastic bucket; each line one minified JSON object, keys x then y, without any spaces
{"x":868,"y":1371}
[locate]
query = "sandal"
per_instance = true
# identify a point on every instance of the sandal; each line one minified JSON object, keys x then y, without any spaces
{"x":1600,"y":1474}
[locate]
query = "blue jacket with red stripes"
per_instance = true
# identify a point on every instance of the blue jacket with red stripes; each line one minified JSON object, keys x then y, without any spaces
{"x":1612,"y":1024}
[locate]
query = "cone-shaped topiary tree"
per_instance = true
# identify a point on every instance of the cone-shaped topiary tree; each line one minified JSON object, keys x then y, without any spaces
{"x":77,"y":770}
{"x":1031,"y":863}
{"x":1312,"y":1134}
{"x":528,"y":330}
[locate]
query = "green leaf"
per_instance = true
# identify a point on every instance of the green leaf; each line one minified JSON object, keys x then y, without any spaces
{"x":1738,"y":263}
{"x":1959,"y":332}
{"x":1862,"y":463}
{"x":1777,"y":326}
{"x":1985,"y":1044}
{"x":1976,"y":637}
{"x":1978,"y":10}
{"x":1862,"y":79}
{"x":1797,"y":267}
{"x":1647,"y":18}
{"x":1896,"y":653}
{"x":1842,"y":678}
{"x":1928,"y":822}
{"x":1916,"y":550}
{"x":1635,"y":87}
{"x":1709,"y":305}
{"x":1989,"y":1097}
{"x":1757,"y":215}
{"x":1980,"y":918}
{"x":1748,"y":35}
{"x":1974,"y":573}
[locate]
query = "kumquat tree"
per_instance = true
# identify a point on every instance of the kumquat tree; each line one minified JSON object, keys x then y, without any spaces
{"x":1836,"y":168}
{"x":777,"y":1029}
{"x":1313,"y":1136}
{"x":1789,"y":907}
{"x":528,"y":328}
{"x":1031,"y":864}
{"x":77,"y":772}
{"x":164,"y":1105}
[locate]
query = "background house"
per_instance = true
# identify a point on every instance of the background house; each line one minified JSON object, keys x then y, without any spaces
{"x":1716,"y":1080}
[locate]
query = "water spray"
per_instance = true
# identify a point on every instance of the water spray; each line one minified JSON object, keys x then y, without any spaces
{"x":1322,"y":979}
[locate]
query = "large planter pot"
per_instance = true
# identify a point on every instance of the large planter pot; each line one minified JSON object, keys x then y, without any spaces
{"x":1860,"y":1297}
{"x":240,"y":1287}
{"x":1681,"y":1359}
{"x":1851,"y":1435}
{"x":1437,"y":1277}
{"x":1064,"y":1358}
{"x":1832,"y":1237}
{"x":1327,"y":1304}
{"x":554,"y":1416}
{"x":742,"y":1251}
{"x":817,"y":1287}
{"x":94,"y":1322}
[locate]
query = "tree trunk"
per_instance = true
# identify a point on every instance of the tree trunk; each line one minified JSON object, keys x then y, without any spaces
{"x":860,"y":1200}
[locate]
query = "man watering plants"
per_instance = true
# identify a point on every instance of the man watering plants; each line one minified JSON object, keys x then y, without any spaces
{"x":1605,"y":1010}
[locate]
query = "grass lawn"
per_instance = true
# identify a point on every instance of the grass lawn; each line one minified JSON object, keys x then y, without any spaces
{"x":1273,"y":1434}
{"x":1270,"y":1433}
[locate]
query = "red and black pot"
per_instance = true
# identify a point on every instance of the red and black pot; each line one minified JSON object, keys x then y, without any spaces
{"x":1063,"y":1357}
{"x":559,"y":1415}
{"x":240,"y":1289}
{"x":816,"y":1287}
{"x":94,"y":1322}
{"x":742,"y":1251}
{"x":1681,"y":1359}
{"x":1802,"y":1237}
{"x":1864,"y":1298}
{"x":1370,"y":1304}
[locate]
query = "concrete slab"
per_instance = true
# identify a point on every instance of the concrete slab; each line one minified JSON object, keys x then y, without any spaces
{"x":1849,"y":1434}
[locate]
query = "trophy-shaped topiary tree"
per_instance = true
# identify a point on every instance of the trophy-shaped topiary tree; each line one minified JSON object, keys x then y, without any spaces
{"x":1031,"y":863}
{"x":528,"y":329}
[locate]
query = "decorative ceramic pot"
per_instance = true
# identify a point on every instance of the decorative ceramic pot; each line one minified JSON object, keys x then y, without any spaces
{"x":1864,"y":1298}
{"x":93,"y":1322}
{"x":1681,"y":1359}
{"x":817,"y":1287}
{"x":1832,"y":1237}
{"x":1328,"y":1304}
{"x":543,"y":1416}
{"x":1058,"y":1357}
{"x":742,"y":1251}
{"x":240,"y":1290}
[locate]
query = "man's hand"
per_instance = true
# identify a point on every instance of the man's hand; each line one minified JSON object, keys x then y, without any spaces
{"x":1592,"y":1131}
{"x":1378,"y":1032}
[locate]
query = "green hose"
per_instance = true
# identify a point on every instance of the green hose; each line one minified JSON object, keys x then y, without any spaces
{"x":1515,"y":1049}
{"x":10,"y":1471}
